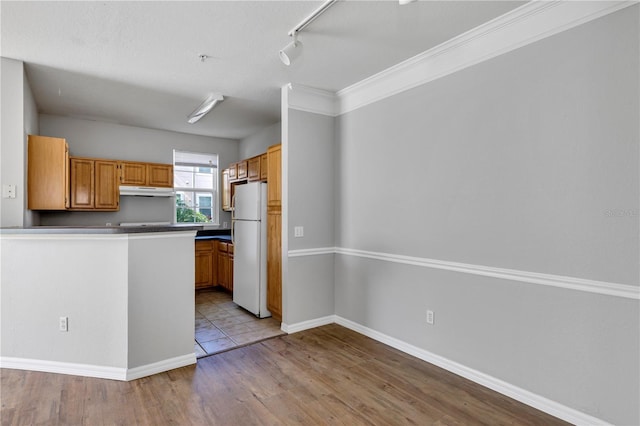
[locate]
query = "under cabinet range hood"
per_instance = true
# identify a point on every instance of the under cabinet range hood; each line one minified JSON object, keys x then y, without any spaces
{"x":146,"y":191}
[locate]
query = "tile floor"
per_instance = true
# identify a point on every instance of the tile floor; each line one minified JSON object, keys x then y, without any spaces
{"x":222,"y":325}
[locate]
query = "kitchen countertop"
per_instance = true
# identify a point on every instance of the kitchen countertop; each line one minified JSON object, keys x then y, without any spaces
{"x":213,"y":237}
{"x":99,"y":229}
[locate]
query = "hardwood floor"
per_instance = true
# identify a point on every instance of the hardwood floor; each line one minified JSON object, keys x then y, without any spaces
{"x":327,"y":375}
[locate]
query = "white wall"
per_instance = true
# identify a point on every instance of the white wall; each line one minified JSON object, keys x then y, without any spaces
{"x":514,"y":163}
{"x":97,"y":139}
{"x":259,"y":142}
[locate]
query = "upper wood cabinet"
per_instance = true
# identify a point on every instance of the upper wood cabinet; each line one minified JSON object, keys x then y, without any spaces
{"x":159,"y":174}
{"x":94,"y":184}
{"x":82,"y":183}
{"x":107,"y":194}
{"x":242,"y":170}
{"x":47,"y":173}
{"x":274,"y":179}
{"x":146,"y":174}
{"x":226,"y":191}
{"x":264,"y":172}
{"x":253,"y":173}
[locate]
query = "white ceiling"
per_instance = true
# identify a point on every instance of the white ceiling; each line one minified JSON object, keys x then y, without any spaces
{"x":136,"y":63}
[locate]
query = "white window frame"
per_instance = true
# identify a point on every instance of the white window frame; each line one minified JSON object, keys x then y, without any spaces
{"x":215,"y":191}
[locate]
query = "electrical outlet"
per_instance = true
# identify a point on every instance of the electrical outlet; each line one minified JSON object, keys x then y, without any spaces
{"x":298,"y":231}
{"x":64,"y":324}
{"x":430,"y":317}
{"x":225,"y":224}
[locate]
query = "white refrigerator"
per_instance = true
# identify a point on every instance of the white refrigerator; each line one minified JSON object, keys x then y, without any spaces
{"x":249,"y":236}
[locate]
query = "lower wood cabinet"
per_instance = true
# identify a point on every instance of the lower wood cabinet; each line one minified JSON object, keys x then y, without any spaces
{"x":274,"y":263}
{"x":225,"y":265}
{"x":206,"y":267}
{"x":214,"y":264}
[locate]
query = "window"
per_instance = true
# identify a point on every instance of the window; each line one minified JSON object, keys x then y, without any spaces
{"x":195,"y":180}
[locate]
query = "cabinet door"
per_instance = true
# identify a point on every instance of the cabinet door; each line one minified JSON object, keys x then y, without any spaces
{"x":226,"y":191}
{"x":160,"y":175}
{"x":264,"y":173}
{"x":82,"y":183}
{"x":132,"y":173}
{"x":204,"y":264}
{"x":274,"y":188}
{"x":107,"y":195}
{"x":274,"y":264}
{"x":223,"y":266}
{"x":230,"y":267}
{"x":242,"y":170}
{"x":47,"y":173}
{"x":253,"y":173}
{"x":233,"y":172}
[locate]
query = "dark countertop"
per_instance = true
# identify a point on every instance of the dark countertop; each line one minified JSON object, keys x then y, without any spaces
{"x":99,"y":229}
{"x":213,"y":237}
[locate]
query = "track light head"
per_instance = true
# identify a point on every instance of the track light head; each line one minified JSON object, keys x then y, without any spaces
{"x":291,"y":51}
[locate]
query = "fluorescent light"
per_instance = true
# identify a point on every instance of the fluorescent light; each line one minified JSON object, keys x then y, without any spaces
{"x":204,"y":108}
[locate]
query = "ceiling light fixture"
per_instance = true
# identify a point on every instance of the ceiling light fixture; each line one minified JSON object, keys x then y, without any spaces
{"x":204,"y":108}
{"x":291,"y":51}
{"x":403,"y":2}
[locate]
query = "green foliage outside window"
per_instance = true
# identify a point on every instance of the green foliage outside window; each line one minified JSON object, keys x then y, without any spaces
{"x":185,"y":214}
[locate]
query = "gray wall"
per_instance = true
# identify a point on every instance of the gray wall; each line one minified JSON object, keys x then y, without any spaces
{"x":31,"y":127}
{"x":259,"y":142}
{"x":516,"y":162}
{"x":106,"y":140}
{"x":12,"y":165}
{"x":310,"y":149}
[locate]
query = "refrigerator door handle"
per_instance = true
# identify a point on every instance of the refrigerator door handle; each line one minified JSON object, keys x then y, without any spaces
{"x":233,"y":216}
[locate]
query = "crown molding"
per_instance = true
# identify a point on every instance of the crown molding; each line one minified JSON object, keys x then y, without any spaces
{"x":524,"y":25}
{"x":309,"y":99}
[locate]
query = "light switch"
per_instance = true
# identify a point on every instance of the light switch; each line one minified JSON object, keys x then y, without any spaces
{"x":298,"y":231}
{"x":8,"y":191}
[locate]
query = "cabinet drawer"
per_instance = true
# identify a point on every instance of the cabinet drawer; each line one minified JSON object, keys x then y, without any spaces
{"x":230,"y":248}
{"x":223,"y":247}
{"x":204,"y":245}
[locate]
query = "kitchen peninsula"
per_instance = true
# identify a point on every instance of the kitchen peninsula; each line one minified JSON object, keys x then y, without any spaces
{"x":110,"y":302}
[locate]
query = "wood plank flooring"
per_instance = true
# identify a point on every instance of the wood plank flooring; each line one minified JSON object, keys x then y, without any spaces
{"x":327,"y":375}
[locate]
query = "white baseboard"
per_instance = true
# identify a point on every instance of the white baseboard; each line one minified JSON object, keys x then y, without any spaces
{"x":306,"y":325}
{"x":529,"y":398}
{"x":86,"y":370}
{"x":161,"y":366}
{"x":98,"y":371}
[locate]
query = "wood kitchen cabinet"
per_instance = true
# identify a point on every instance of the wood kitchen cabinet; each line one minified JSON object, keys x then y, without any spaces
{"x":225,"y":265}
{"x":242,"y":170}
{"x":94,"y":184}
{"x":47,"y":173}
{"x":264,"y":172}
{"x":274,"y":231}
{"x":146,"y":174}
{"x":206,"y":264}
{"x":253,"y":173}
{"x":226,"y":191}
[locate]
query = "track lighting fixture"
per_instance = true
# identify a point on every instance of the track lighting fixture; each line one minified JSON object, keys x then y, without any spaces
{"x":204,"y":108}
{"x":291,"y":50}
